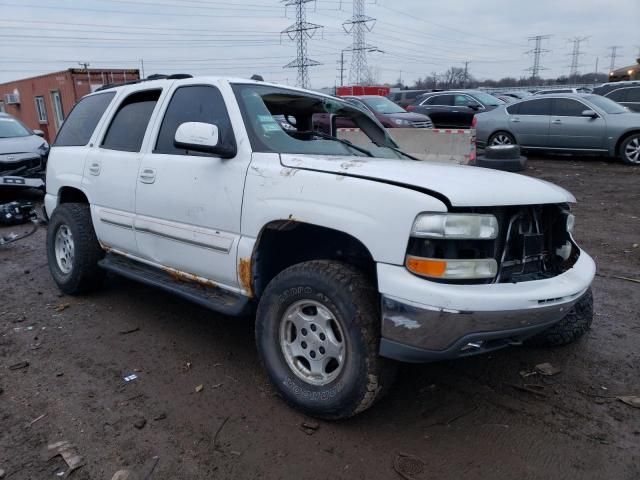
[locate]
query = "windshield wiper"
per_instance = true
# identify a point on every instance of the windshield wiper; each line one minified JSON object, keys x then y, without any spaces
{"x":397,"y":150}
{"x":336,"y":139}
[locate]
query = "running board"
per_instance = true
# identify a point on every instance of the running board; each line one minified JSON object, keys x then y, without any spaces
{"x":206,"y":295}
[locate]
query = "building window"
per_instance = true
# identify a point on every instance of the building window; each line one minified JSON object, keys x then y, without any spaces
{"x":41,"y":109}
{"x":2,"y":106}
{"x":57,"y":108}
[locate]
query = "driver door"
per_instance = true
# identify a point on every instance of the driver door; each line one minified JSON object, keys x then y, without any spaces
{"x":188,"y":204}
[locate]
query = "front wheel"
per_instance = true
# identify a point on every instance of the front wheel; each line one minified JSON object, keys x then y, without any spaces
{"x":501,"y":138}
{"x":318,"y":333}
{"x":630,"y":150}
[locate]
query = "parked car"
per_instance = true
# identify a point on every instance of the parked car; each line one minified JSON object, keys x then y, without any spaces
{"x":517,"y":94}
{"x":552,"y":91}
{"x":505,"y":98}
{"x":23,"y":154}
{"x":565,"y":123}
{"x":404,"y":98}
{"x":350,"y":257}
{"x":388,"y":113}
{"x":454,"y":109}
{"x":625,"y":93}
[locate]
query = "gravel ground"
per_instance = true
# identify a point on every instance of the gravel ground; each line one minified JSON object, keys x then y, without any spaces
{"x":461,"y":418}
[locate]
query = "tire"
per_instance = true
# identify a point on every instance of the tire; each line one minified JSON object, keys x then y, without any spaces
{"x":75,"y":269}
{"x":570,"y":328}
{"x":317,"y":290}
{"x":502,"y":152}
{"x":506,"y":165}
{"x":630,"y":150}
{"x":501,"y":138}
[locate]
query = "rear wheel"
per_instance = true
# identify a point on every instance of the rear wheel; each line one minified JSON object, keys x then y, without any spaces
{"x":630,"y":149}
{"x":318,"y":333}
{"x":501,"y":138}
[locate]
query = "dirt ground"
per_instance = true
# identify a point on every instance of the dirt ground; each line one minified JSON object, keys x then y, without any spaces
{"x":463,"y":419}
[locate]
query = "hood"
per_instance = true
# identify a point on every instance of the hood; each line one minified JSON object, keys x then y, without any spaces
{"x":410,"y":116}
{"x":26,"y":144}
{"x":462,"y":185}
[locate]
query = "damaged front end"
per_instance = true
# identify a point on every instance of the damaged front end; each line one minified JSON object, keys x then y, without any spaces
{"x":23,"y":169}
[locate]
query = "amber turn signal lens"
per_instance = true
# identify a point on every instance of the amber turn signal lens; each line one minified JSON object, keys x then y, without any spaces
{"x":426,"y":266}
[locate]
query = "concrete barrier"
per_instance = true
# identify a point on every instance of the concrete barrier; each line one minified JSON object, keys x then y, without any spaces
{"x":434,"y":145}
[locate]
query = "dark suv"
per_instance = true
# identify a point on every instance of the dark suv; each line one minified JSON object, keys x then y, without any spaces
{"x":625,"y":93}
{"x":404,"y":98}
{"x":454,"y":109}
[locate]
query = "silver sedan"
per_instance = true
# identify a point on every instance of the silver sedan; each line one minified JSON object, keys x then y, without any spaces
{"x":573,"y":123}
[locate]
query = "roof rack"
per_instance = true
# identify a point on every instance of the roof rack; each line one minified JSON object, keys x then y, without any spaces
{"x":155,"y":76}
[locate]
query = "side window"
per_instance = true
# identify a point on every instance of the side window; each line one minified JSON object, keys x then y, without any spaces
{"x":440,"y":100}
{"x":358,"y":103}
{"x":196,"y":103}
{"x":130,"y":122}
{"x":633,"y":94}
{"x":618,"y":95}
{"x":83,"y":119}
{"x":412,"y":95}
{"x":536,"y":107}
{"x":463,"y":101}
{"x":41,"y":109}
{"x":565,"y":107}
{"x":514,"y":109}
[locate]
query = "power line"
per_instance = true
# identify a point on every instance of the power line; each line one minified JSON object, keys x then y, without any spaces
{"x":613,"y":56}
{"x":537,"y":54}
{"x":300,"y":32}
{"x":357,"y":26}
{"x":575,"y":55}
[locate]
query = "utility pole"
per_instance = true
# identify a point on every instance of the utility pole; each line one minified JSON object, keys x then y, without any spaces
{"x":595,"y":77}
{"x":85,"y":65}
{"x":300,"y":32}
{"x":142,"y":68}
{"x":575,"y":56}
{"x":466,"y":74}
{"x":341,"y":62}
{"x":613,"y":56}
{"x":537,"y":54}
{"x":357,"y":26}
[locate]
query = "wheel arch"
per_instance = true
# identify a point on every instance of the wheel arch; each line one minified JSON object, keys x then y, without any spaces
{"x":622,"y":138}
{"x":68,"y":194}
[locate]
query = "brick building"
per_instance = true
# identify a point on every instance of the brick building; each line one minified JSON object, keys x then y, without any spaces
{"x":44,"y":101}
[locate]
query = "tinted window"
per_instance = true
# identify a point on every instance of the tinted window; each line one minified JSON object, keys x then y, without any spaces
{"x":609,"y":106}
{"x":440,"y":100}
{"x":463,"y":101}
{"x":394,"y":96}
{"x":535,"y":107}
{"x":566,"y":107}
{"x":514,"y":109}
{"x":127,"y":128}
{"x":197,"y":103}
{"x":633,"y":94}
{"x":83,"y":119}
{"x":412,"y":95}
{"x":618,"y":95}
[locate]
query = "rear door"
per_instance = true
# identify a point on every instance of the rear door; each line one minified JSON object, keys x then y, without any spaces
{"x":529,"y":121}
{"x":438,"y":108}
{"x":569,"y":129}
{"x":111,"y":170}
{"x":462,"y":113}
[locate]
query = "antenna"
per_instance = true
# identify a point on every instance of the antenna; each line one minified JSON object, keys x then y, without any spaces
{"x":357,"y":26}
{"x":300,"y":32}
{"x":537,"y":54}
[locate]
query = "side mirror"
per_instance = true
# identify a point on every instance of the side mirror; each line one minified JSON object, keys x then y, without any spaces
{"x":202,"y":137}
{"x":589,"y":113}
{"x":39,"y":133}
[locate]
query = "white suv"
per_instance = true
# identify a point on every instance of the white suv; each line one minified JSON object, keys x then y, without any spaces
{"x":350,"y":256}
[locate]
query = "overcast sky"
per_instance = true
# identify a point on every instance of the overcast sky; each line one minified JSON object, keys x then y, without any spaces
{"x":242,"y":37}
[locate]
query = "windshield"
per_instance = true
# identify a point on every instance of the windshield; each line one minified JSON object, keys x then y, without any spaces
{"x":280,"y":120}
{"x":10,"y":127}
{"x":382,"y":105}
{"x":605,"y":104}
{"x":488,"y":100}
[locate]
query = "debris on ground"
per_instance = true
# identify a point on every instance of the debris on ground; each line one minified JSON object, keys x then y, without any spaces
{"x":68,"y":452}
{"x":62,"y":306}
{"x":199,"y":388}
{"x":215,"y":437}
{"x":547,"y":369}
{"x":527,"y":373}
{"x":309,"y":427}
{"x":528,"y":388}
{"x":630,"y":400}
{"x":160,"y":416}
{"x":125,"y":475}
{"x":2,"y":473}
{"x":187,"y":366}
{"x":128,"y":330}
{"x":130,"y":377}
{"x":19,"y":365}
{"x":140,"y":423}
{"x":37,"y":419}
{"x":407,"y":466}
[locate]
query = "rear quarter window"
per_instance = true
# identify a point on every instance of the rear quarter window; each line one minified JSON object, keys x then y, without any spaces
{"x":83,"y":119}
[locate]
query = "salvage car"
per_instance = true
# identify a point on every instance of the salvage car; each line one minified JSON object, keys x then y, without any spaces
{"x":23,"y":154}
{"x":404,"y":98}
{"x":454,"y":108}
{"x":351,"y":258}
{"x":626,"y":94}
{"x":388,"y":113}
{"x":568,"y":123}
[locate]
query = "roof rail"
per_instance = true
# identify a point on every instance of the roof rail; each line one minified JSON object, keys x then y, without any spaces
{"x":155,"y":76}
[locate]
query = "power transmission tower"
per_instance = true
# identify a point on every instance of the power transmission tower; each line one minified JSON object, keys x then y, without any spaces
{"x":575,"y":55}
{"x":357,"y":26}
{"x":300,"y":32}
{"x":613,"y":55}
{"x":341,"y":68}
{"x":537,"y":54}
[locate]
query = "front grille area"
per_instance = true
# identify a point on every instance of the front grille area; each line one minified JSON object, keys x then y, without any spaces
{"x":532,"y":244}
{"x":23,"y":165}
{"x":423,"y":124}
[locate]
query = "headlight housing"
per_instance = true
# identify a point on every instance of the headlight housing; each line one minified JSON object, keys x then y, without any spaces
{"x":460,"y":226}
{"x":400,"y":121}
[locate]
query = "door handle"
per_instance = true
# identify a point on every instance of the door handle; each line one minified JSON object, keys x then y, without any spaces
{"x":557,"y":121}
{"x":94,"y":168}
{"x":148,"y":175}
{"x":515,"y":120}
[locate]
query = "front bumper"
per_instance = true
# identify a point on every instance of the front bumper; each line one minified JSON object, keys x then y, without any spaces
{"x":15,"y":181}
{"x":424,"y":321}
